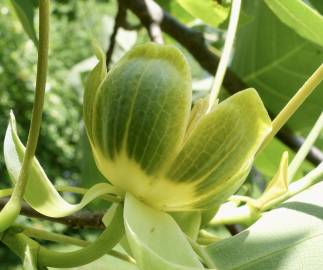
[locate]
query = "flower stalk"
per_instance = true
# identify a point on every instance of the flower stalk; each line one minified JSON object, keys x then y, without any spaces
{"x":225,"y":57}
{"x":12,"y":208}
{"x":68,"y":240}
{"x":305,"y":148}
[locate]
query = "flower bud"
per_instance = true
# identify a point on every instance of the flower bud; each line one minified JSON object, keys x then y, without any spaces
{"x":137,"y":116}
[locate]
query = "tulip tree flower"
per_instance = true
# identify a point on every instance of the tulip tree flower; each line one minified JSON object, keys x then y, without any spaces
{"x":159,"y":156}
{"x":137,"y":118}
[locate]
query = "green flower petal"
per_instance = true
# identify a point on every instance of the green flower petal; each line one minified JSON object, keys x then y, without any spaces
{"x":40,"y":193}
{"x":218,"y":155}
{"x":93,"y":82}
{"x":141,"y":111}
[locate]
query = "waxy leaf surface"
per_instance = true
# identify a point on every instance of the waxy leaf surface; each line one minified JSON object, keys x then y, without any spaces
{"x":275,"y":60}
{"x":287,"y":238}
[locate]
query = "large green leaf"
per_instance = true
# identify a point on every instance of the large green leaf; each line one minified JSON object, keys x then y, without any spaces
{"x":176,"y":10}
{"x":306,"y":21}
{"x":40,"y":192}
{"x":267,"y":161}
{"x":287,"y":238}
{"x":209,"y":11}
{"x":219,"y":152}
{"x":25,"y":10}
{"x":275,"y":60}
{"x":318,"y":4}
{"x":156,"y":240}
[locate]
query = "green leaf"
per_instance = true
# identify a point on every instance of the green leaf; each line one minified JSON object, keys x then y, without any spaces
{"x":40,"y":192}
{"x":268,"y":159}
{"x":287,"y":238}
{"x":209,"y":11}
{"x":318,"y":4}
{"x":156,"y":240}
{"x":25,"y":10}
{"x":275,"y":60}
{"x":176,"y":10}
{"x":140,"y":115}
{"x":218,"y":155}
{"x":306,"y":21}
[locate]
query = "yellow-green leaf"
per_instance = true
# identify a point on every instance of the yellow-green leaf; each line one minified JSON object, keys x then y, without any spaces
{"x":298,"y":15}
{"x":209,"y":11}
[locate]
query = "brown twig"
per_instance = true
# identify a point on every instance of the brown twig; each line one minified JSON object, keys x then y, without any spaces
{"x":195,"y":43}
{"x":82,"y":219}
{"x":152,"y":19}
{"x":233,"y":229}
{"x":119,"y":21}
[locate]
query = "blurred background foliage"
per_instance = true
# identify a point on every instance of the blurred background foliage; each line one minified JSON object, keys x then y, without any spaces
{"x":269,"y":56}
{"x":74,"y":26}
